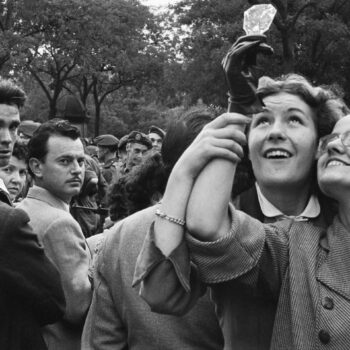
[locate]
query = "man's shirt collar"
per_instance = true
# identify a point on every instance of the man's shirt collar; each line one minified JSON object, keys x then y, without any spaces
{"x":44,"y":195}
{"x":312,"y":209}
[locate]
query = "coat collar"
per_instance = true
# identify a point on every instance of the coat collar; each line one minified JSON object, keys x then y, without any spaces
{"x":334,"y":271}
{"x":44,"y":195}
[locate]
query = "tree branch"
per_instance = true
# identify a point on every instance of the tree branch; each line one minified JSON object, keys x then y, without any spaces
{"x":42,"y":85}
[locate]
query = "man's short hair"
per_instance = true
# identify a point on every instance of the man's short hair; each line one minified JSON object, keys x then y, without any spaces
{"x":37,"y":146}
{"x":20,"y":151}
{"x":11,"y":94}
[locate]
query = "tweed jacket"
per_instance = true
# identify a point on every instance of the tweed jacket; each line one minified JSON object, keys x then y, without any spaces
{"x":119,"y":319}
{"x":65,"y":245}
{"x":254,"y":311}
{"x":30,"y":294}
{"x":301,"y":265}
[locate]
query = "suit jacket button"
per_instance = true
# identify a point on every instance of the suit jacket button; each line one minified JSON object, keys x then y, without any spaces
{"x":328,"y":303}
{"x":324,"y":336}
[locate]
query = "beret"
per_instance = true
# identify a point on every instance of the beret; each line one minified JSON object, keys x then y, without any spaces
{"x":139,"y":137}
{"x":122,"y":142}
{"x":154,"y":129}
{"x":106,"y":140}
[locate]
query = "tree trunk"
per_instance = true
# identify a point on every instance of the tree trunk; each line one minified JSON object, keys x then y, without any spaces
{"x":97,"y":118}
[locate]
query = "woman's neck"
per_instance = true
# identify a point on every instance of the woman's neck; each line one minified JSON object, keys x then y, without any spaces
{"x":288,"y":201}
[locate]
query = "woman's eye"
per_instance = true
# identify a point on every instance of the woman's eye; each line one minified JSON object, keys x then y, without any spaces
{"x":295,"y":120}
{"x":261,"y":121}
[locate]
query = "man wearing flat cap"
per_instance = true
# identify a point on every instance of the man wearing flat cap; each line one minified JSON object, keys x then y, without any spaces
{"x":156,"y":135}
{"x":107,"y":155}
{"x":137,"y":146}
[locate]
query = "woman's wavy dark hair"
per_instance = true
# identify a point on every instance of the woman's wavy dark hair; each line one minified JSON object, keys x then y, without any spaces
{"x":325,"y":100}
{"x":145,"y":183}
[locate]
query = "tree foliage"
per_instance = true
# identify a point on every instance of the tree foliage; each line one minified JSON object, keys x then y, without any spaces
{"x":132,"y":68}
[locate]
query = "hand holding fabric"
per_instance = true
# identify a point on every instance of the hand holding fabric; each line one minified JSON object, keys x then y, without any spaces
{"x":241,"y":70}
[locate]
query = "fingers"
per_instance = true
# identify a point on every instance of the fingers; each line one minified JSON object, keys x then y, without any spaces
{"x":226,"y":119}
{"x":227,"y":149}
{"x":253,"y":37}
{"x":229,"y":138}
{"x":241,"y":47}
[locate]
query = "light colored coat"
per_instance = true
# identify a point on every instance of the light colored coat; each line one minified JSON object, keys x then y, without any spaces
{"x":65,"y":245}
{"x":119,"y":319}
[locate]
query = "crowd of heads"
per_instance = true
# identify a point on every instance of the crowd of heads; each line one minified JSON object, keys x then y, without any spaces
{"x":121,"y":176}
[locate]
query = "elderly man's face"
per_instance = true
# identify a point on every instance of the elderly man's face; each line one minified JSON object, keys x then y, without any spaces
{"x":282,"y":142}
{"x":135,"y":153}
{"x":9,"y":122}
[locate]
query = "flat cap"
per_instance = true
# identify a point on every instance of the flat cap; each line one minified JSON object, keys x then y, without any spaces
{"x":28,"y":127}
{"x":154,"y":129}
{"x":139,"y":137}
{"x":106,"y":140}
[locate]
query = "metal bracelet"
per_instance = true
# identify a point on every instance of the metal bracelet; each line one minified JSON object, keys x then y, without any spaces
{"x":170,"y":218}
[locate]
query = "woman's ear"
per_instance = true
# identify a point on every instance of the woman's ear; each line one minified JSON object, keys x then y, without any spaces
{"x":36,"y":167}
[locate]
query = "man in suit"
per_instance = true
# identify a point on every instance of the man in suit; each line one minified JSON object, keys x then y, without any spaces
{"x":31,"y":294}
{"x":57,"y":164}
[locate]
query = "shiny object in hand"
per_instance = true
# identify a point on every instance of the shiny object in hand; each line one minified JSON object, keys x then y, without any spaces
{"x":258,"y":19}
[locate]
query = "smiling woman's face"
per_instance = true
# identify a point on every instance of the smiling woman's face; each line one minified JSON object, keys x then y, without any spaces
{"x":333,"y":168}
{"x":282,"y":142}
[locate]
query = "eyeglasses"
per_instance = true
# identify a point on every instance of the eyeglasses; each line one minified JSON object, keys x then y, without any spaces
{"x":325,"y":140}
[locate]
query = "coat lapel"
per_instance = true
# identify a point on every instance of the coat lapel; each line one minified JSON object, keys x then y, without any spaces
{"x":334,"y":272}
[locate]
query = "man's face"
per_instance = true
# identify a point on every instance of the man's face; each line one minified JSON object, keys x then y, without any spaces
{"x":62,"y":170}
{"x":156,"y":141}
{"x":135,"y":153}
{"x":101,"y":153}
{"x":14,"y":176}
{"x":9,"y":122}
{"x":282,"y":142}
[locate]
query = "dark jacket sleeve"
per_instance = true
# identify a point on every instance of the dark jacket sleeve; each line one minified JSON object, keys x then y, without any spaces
{"x":26,"y":274}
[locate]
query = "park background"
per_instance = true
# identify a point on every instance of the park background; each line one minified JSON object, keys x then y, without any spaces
{"x":133,"y":65}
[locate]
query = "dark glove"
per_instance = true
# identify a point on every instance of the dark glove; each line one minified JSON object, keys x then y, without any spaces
{"x":241,"y":71}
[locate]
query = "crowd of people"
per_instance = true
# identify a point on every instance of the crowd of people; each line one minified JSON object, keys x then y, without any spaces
{"x":222,"y":232}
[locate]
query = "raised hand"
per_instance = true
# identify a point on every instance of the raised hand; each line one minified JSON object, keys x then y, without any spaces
{"x":222,"y":138}
{"x":240,"y":69}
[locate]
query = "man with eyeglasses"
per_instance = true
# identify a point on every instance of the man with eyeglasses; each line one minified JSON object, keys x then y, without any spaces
{"x":31,"y":295}
{"x":57,"y":164}
{"x":325,"y":140}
